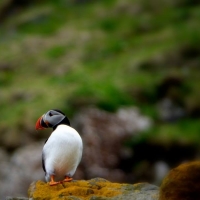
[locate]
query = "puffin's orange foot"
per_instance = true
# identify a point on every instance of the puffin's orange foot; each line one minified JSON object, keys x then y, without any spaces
{"x":52,"y":182}
{"x":67,"y":179}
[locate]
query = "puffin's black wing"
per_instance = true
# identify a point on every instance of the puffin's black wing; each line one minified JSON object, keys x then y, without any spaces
{"x":43,"y":166}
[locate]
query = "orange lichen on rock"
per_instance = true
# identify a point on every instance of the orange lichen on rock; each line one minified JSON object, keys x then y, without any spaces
{"x":83,"y":189}
{"x":182,"y":182}
{"x":93,"y":189}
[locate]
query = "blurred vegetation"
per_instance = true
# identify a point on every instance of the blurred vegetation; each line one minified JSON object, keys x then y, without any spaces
{"x":70,"y":54}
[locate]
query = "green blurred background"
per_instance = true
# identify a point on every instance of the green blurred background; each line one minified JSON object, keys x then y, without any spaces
{"x":72,"y":54}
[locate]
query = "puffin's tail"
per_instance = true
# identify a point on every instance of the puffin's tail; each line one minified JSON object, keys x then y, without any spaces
{"x":47,"y":177}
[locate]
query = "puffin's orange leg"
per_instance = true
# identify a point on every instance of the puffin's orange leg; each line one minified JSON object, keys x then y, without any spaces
{"x":52,"y":182}
{"x":67,"y":179}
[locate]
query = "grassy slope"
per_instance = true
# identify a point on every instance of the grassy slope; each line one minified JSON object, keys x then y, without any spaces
{"x":66,"y":56}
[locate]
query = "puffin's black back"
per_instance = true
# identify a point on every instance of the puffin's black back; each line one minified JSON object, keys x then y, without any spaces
{"x":59,"y":111}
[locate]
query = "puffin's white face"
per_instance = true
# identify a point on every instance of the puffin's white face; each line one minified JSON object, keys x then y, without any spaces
{"x":49,"y":119}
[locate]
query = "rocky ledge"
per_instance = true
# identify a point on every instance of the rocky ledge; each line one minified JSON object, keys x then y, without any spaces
{"x":94,"y":189}
{"x":182,"y":182}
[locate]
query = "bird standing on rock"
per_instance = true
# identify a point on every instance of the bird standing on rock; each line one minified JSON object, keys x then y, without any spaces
{"x":62,"y":151}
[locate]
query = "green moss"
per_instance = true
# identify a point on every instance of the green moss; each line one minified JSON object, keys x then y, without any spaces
{"x":56,"y":52}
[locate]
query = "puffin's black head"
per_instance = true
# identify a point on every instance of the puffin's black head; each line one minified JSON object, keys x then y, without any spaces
{"x":51,"y":119}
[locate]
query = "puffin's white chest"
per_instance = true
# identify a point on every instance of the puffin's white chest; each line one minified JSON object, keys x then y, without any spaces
{"x":62,"y":151}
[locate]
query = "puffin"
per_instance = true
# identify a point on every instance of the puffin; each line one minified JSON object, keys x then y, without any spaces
{"x":62,"y":151}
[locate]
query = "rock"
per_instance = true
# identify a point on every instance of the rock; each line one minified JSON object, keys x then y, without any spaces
{"x":20,"y":170}
{"x":182,"y":182}
{"x":160,"y":169}
{"x":94,"y":189}
{"x":133,"y":121}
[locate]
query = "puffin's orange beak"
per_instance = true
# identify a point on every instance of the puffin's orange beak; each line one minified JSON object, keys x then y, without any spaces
{"x":38,"y":125}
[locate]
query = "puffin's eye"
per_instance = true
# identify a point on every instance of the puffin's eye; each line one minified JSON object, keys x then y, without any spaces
{"x":50,"y":114}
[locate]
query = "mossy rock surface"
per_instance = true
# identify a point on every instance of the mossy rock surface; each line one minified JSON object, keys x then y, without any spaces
{"x":94,"y":189}
{"x":182,"y":182}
